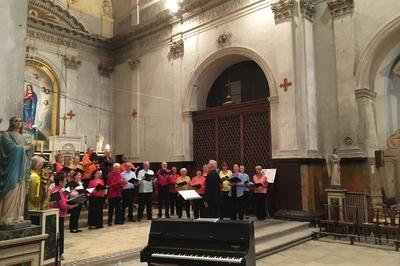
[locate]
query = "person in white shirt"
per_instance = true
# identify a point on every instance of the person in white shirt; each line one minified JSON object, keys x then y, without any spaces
{"x":128,"y":191}
{"x":145,"y":192}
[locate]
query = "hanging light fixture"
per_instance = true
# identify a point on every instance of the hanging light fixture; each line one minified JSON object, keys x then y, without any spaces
{"x":173,"y":5}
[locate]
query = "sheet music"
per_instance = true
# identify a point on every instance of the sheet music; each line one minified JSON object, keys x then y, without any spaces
{"x":79,"y":187}
{"x":270,"y":174}
{"x":90,"y":190}
{"x":66,"y":189}
{"x":189,"y":194}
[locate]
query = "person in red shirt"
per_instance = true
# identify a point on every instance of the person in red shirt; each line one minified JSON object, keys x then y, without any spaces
{"x":60,"y":203}
{"x":173,"y":192}
{"x":199,"y":184}
{"x":114,"y":195}
{"x":96,"y":200}
{"x":163,"y":183}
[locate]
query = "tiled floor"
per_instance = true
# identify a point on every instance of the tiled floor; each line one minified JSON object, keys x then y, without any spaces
{"x":133,"y":237}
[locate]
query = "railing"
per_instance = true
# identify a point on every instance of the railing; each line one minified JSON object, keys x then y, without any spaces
{"x":374,"y":225}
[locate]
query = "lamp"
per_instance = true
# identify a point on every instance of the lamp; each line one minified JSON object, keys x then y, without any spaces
{"x":173,"y":5}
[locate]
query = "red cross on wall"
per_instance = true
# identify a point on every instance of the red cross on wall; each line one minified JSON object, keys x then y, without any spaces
{"x":134,"y":113}
{"x":70,"y":114}
{"x":286,"y":84}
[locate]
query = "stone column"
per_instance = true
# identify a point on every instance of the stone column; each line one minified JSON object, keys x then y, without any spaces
{"x":307,"y":82}
{"x":366,"y":111}
{"x":12,"y":53}
{"x":341,"y":11}
{"x":284,"y":50}
{"x":274,"y":113}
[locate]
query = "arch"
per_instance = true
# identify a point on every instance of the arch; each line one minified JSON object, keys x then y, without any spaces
{"x":386,"y":39}
{"x":50,"y":80}
{"x":206,"y":73}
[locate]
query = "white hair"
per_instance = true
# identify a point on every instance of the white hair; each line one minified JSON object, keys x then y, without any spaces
{"x":214,"y":164}
{"x":183,"y":170}
{"x":116,"y":165}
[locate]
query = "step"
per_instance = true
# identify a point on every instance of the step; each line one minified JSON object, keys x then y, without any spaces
{"x":282,"y":242}
{"x":269,"y":232}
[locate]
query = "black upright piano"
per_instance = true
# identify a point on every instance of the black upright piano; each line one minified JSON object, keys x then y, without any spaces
{"x":200,"y":242}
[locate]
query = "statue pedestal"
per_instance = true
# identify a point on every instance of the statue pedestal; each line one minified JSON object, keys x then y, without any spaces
{"x":21,"y":246}
{"x":336,"y":202}
{"x":48,"y":222}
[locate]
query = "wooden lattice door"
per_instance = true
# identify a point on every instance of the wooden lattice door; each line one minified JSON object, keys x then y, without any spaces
{"x":238,"y":133}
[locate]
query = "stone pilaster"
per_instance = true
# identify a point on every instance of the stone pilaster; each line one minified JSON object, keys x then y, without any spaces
{"x":348,"y":139}
{"x":366,"y":111}
{"x":284,"y":50}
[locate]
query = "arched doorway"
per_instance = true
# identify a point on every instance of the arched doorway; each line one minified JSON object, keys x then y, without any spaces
{"x":235,"y":126}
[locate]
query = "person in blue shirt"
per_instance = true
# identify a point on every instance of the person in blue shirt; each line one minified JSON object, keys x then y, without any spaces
{"x":236,"y":193}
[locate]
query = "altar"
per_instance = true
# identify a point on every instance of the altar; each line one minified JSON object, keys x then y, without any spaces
{"x":67,"y":145}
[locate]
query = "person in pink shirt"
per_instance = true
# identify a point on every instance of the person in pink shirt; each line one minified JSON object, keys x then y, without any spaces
{"x":198,"y":184}
{"x":260,"y":193}
{"x":60,"y":202}
{"x":114,"y":195}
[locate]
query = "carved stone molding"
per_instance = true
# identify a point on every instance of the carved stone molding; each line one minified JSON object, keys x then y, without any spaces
{"x":176,"y":49}
{"x":307,"y":9}
{"x":133,"y":63}
{"x":71,"y":62}
{"x":393,"y":141}
{"x":340,"y":7}
{"x":105,"y":70}
{"x":224,"y":38}
{"x":365,"y":93}
{"x":282,"y":9}
{"x":396,"y":69}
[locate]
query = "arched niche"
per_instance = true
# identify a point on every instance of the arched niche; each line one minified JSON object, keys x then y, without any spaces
{"x":41,"y":98}
{"x":208,"y":71}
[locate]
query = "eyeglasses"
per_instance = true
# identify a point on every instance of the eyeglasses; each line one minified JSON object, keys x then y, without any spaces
{"x":16,"y":121}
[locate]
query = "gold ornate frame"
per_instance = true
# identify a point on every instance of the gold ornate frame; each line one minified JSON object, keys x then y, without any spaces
{"x":55,"y":110}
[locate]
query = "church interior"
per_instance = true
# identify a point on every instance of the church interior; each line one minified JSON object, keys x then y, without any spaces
{"x":302,"y":93}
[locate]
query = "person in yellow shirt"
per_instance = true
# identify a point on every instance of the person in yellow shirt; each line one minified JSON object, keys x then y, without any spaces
{"x":34,"y":188}
{"x":183,"y":183}
{"x":225,"y":174}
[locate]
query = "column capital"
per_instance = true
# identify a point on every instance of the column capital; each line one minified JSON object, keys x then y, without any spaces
{"x":105,"y":70}
{"x":71,"y":62}
{"x":282,"y":9}
{"x":307,"y":9}
{"x":340,"y":7}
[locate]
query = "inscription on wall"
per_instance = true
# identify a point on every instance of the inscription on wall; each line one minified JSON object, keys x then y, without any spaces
{"x":50,"y":38}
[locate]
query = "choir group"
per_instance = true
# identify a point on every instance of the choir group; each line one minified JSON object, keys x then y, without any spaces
{"x":94,"y":184}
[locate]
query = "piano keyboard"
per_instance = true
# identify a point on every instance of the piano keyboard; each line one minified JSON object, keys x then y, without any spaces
{"x":197,"y":257}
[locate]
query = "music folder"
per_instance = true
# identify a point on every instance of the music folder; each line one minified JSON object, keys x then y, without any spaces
{"x":77,"y":200}
{"x":196,"y":186}
{"x":235,"y":180}
{"x":181,"y":184}
{"x":189,"y":194}
{"x":133,"y":181}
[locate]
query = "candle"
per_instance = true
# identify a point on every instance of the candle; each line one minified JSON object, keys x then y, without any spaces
{"x":41,"y":147}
